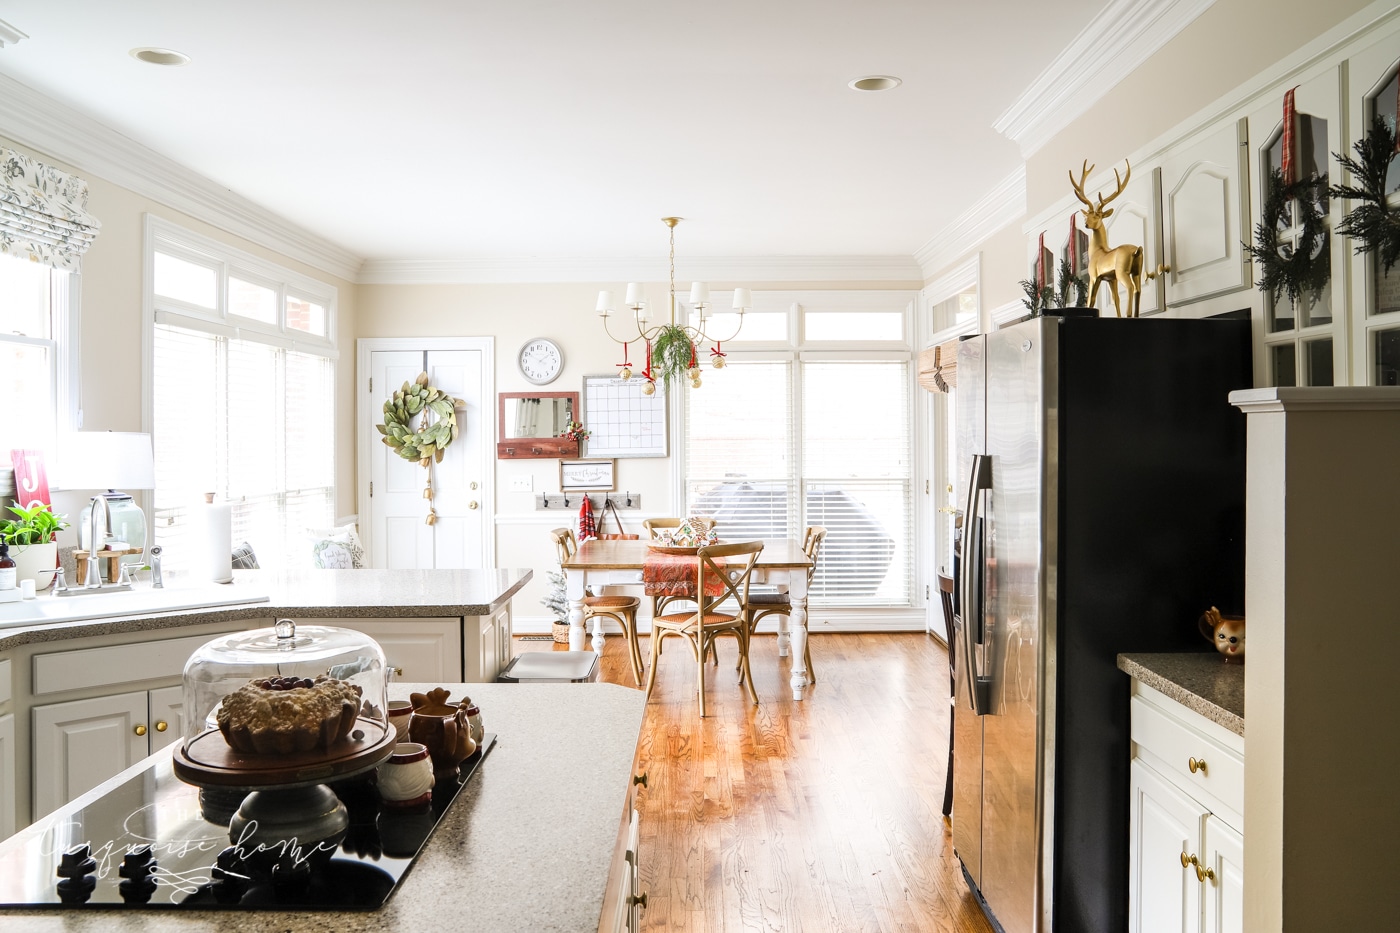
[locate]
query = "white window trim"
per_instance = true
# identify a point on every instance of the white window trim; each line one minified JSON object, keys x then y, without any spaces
{"x":906,"y":302}
{"x":225,"y":260}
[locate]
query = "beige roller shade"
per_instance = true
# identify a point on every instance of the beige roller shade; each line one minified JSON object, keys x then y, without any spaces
{"x":938,"y":366}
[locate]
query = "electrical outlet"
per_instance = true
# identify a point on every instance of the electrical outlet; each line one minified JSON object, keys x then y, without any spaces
{"x":522,"y":484}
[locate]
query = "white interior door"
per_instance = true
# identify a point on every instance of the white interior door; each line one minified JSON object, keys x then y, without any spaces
{"x":393,"y":505}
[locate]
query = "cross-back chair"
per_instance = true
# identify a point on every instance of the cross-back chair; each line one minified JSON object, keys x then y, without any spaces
{"x":732,"y":565}
{"x":769,"y":604}
{"x":621,"y":608}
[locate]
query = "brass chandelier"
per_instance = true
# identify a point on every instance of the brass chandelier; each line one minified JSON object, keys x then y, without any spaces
{"x":671,"y":347}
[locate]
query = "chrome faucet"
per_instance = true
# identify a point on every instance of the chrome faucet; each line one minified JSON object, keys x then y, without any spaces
{"x":155,"y":551}
{"x":97,"y":535}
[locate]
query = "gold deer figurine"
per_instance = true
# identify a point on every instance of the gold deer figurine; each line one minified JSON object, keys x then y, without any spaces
{"x":1120,"y":264}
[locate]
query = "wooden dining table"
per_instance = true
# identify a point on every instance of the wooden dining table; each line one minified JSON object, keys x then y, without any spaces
{"x":619,"y":563}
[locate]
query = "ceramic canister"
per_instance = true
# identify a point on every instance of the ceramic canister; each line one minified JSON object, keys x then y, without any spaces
{"x":478,"y":730}
{"x":399,"y":712}
{"x":406,"y":779}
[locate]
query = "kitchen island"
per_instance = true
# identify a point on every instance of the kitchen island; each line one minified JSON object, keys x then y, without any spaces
{"x":90,"y":684}
{"x":535,"y":841}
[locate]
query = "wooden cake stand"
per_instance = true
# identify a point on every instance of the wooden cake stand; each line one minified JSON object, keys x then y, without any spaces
{"x":290,"y":814}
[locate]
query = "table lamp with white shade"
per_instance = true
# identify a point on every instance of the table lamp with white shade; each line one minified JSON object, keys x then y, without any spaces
{"x":114,"y":460}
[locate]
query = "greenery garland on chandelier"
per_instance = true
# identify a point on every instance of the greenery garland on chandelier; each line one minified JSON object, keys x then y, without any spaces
{"x":1372,"y":223}
{"x":1305,"y":268}
{"x":672,"y":354}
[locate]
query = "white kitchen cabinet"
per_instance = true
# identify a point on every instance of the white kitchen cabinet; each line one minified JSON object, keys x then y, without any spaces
{"x":1186,"y":854}
{"x":81,"y":743}
{"x":1204,"y":210}
{"x":8,"y":823}
{"x":488,"y":649}
{"x":417,"y":650}
{"x":624,"y":903}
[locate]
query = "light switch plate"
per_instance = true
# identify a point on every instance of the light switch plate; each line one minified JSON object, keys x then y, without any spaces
{"x":522,"y":484}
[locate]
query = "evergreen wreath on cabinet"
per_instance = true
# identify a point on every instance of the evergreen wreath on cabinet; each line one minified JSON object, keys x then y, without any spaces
{"x":1286,"y":269}
{"x":1373,"y":224}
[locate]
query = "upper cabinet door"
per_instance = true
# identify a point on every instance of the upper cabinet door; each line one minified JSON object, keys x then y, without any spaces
{"x":1134,"y":220}
{"x":1204,"y":206}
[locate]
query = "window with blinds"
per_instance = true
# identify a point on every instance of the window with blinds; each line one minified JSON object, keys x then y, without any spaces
{"x":240,"y":408}
{"x":847,"y":464}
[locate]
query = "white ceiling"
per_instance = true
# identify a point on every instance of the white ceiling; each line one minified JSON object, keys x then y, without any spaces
{"x":448,"y":129}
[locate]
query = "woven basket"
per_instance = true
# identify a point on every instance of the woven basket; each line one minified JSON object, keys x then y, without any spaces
{"x":561,"y":632}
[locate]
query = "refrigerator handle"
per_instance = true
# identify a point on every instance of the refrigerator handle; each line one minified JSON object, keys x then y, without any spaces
{"x":971,"y":584}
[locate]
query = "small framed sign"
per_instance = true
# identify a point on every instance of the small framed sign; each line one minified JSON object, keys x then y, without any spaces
{"x":587,"y":475}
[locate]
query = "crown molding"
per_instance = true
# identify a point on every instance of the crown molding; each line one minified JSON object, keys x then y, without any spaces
{"x":57,"y":130}
{"x":648,"y":269}
{"x":9,"y":35}
{"x":1319,"y":398}
{"x":1002,"y":205}
{"x":1121,"y":37}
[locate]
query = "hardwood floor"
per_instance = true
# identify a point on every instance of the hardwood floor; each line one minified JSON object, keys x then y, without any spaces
{"x":823,"y":815}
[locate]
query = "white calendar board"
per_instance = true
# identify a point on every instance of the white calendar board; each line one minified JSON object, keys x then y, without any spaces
{"x":623,"y":421}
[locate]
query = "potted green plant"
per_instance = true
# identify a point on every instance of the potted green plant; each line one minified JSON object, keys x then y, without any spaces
{"x":30,"y":536}
{"x":556,"y":600}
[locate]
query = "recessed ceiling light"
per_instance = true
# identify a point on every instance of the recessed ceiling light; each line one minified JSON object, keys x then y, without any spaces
{"x":160,"y":56}
{"x":875,"y":83}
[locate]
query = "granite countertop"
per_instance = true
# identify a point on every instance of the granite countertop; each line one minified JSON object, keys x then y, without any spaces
{"x":527,"y":844}
{"x":262,"y":593}
{"x":1200,"y":681}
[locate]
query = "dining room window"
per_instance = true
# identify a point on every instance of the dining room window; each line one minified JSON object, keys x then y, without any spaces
{"x":777,"y":441}
{"x":243,"y":396}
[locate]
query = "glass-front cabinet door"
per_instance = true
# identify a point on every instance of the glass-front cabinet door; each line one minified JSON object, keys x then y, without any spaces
{"x":1376,"y":292}
{"x":1304,"y":343}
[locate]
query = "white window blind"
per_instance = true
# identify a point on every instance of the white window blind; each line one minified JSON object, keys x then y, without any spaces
{"x":740,"y":467}
{"x":857,"y":466}
{"x":251,"y":423}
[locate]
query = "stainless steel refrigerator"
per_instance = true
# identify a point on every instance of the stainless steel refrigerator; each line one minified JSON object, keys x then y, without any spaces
{"x":1103,"y":474}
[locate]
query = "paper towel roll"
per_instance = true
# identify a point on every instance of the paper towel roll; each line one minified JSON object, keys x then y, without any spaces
{"x":213,"y":540}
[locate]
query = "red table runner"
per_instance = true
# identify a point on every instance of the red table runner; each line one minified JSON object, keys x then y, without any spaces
{"x":674,"y":575}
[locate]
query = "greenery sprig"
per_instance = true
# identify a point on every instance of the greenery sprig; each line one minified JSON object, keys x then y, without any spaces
{"x":671,"y":354}
{"x":1372,"y":224}
{"x":1037,"y":298}
{"x":1073,"y":290}
{"x":1292,"y":271}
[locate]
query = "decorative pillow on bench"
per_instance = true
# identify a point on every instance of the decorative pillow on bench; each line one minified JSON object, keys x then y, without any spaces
{"x":337,"y":548}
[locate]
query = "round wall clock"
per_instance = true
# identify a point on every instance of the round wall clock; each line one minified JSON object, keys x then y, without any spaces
{"x":540,"y":360}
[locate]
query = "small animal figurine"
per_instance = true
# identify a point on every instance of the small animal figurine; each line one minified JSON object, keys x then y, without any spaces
{"x":1120,"y":266}
{"x":1225,"y":632}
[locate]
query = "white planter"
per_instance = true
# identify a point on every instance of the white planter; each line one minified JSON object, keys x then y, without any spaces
{"x":35,"y":562}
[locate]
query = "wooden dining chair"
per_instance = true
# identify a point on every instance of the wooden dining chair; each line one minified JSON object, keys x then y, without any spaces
{"x":650,"y":527}
{"x":621,"y":608}
{"x":780,"y":604}
{"x":732,"y":565}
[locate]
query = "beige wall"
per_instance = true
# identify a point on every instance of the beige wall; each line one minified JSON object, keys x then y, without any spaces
{"x":110,"y":323}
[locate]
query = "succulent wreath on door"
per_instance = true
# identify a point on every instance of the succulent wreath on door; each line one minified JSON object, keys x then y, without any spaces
{"x":425,"y":443}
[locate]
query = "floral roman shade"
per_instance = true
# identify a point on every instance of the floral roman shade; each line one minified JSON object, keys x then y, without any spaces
{"x":43,"y":212}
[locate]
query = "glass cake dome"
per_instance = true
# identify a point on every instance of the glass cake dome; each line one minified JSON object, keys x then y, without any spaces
{"x":297,"y":679}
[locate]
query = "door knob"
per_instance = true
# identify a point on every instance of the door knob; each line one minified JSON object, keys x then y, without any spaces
{"x":471,"y":504}
{"x":472,"y":484}
{"x":140,"y":729}
{"x":162,"y":725}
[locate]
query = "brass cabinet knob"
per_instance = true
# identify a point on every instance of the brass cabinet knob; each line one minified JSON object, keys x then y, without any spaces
{"x":640,"y":778}
{"x":639,"y":900}
{"x":140,"y":728}
{"x":162,"y":725}
{"x":398,"y":672}
{"x":1187,"y":860}
{"x":1204,"y":873}
{"x":1196,"y":764}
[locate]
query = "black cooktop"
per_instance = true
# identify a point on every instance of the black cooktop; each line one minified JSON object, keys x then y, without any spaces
{"x":155,"y":842}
